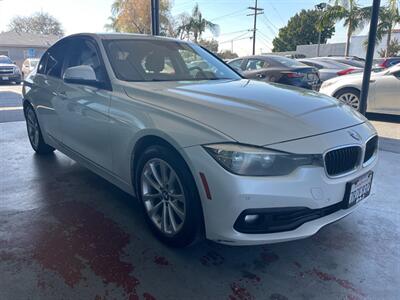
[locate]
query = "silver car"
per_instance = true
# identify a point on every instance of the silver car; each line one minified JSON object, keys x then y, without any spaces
{"x":206,"y":152}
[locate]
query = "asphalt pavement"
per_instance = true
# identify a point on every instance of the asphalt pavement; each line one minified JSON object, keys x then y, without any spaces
{"x":11,"y":103}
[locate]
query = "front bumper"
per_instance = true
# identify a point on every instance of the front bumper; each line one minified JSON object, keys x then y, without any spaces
{"x":307,"y":187}
{"x":10,"y":78}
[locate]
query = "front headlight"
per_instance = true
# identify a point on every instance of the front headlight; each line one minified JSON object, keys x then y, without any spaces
{"x":17,"y":70}
{"x":258,"y":161}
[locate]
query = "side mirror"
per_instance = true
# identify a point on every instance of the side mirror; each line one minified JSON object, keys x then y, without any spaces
{"x":83,"y":74}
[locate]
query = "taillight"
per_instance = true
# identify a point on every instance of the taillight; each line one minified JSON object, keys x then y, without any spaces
{"x":346,"y":71}
{"x":294,"y":75}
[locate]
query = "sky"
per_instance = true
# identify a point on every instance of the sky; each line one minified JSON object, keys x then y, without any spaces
{"x":230,"y":15}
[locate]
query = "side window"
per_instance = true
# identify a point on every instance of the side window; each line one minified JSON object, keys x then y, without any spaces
{"x":254,"y":64}
{"x":236,"y":63}
{"x":397,"y":74}
{"x":42,"y":64}
{"x":84,"y":52}
{"x":55,"y":59}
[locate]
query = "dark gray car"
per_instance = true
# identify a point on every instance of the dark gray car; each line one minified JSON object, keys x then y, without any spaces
{"x":329,"y":68}
{"x":280,"y":69}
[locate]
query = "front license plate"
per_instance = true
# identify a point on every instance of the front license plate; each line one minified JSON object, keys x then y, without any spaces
{"x":359,"y":189}
{"x":5,"y":78}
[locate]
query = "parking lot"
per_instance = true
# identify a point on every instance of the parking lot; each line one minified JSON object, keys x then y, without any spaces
{"x":66,"y":233}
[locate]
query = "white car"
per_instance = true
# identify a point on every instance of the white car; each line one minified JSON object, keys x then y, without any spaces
{"x":28,"y":66}
{"x":206,"y":152}
{"x":383,"y":95}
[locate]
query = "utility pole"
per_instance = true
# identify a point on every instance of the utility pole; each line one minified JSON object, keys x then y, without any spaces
{"x":155,"y":17}
{"x":320,"y":7}
{"x":370,"y":55}
{"x":257,"y":11}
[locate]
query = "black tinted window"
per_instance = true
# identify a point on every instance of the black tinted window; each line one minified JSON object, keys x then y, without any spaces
{"x":42,"y":65}
{"x":55,"y":58}
{"x":83,"y":52}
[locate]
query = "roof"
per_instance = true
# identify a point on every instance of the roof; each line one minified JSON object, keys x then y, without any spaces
{"x":22,"y":39}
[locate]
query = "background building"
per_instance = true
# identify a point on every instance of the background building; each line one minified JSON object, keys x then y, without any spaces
{"x":19,"y":46}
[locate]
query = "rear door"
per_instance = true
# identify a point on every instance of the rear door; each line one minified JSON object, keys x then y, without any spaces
{"x":44,"y":90}
{"x":85,"y":109}
{"x":256,"y":68}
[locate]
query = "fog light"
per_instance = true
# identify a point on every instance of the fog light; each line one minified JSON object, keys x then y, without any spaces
{"x":249,"y":219}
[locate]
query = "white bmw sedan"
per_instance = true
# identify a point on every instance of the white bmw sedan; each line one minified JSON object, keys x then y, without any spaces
{"x":206,"y":152}
{"x":384,"y":90}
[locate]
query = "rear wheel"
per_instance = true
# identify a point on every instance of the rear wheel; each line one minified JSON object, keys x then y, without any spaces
{"x":349,"y":96}
{"x":34,"y":132}
{"x":169,"y":196}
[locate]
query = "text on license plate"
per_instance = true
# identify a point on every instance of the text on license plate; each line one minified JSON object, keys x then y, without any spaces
{"x":360,"y":189}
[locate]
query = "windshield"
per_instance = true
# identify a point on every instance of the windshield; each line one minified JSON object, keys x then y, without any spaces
{"x":158,"y":60}
{"x":287,"y":62}
{"x":5,"y":60}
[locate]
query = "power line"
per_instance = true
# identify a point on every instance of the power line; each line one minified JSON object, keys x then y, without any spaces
{"x":257,"y":11}
{"x":228,"y":15}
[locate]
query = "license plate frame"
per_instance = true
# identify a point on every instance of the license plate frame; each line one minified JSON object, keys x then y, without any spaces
{"x":358,"y":189}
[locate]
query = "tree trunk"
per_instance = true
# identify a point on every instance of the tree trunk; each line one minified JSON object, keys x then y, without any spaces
{"x":389,"y":37}
{"x":347,"y":51}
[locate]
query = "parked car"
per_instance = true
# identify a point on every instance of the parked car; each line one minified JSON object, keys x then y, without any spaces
{"x":387,"y":62}
{"x":205,"y":151}
{"x":9,"y":71}
{"x":384,"y":91}
{"x":348,"y":60}
{"x":280,"y":69}
{"x":29,"y":65}
{"x":329,"y":68}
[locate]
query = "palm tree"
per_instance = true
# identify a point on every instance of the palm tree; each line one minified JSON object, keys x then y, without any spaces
{"x":388,"y":18}
{"x":196,"y":24}
{"x":354,"y":16}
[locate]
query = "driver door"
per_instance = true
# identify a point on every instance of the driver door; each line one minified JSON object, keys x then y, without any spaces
{"x":387,"y":91}
{"x":85,"y":117}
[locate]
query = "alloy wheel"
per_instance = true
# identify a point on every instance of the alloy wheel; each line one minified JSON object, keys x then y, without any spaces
{"x":33,"y":127}
{"x":163,"y":196}
{"x":351,"y":100}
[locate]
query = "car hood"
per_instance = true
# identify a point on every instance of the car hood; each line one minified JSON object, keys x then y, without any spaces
{"x":7,"y":65}
{"x":250,"y":112}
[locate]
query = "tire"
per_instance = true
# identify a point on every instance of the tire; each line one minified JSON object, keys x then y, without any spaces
{"x":176,"y":199}
{"x":35,"y":133}
{"x":349,"y":96}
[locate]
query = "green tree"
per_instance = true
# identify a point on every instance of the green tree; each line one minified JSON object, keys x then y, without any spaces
{"x":195,"y":25}
{"x":134,"y":16}
{"x":38,"y":23}
{"x":392,"y":50}
{"x":227,"y":54}
{"x":389,"y":17}
{"x":210,"y":45}
{"x":302,"y":28}
{"x":354,"y":17}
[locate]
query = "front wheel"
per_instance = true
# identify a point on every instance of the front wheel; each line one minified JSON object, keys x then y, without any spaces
{"x":169,"y":196}
{"x":349,"y":96}
{"x":34,"y":132}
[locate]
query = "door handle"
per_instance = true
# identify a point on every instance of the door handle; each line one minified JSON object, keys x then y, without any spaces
{"x":260,"y":75}
{"x":372,"y":80}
